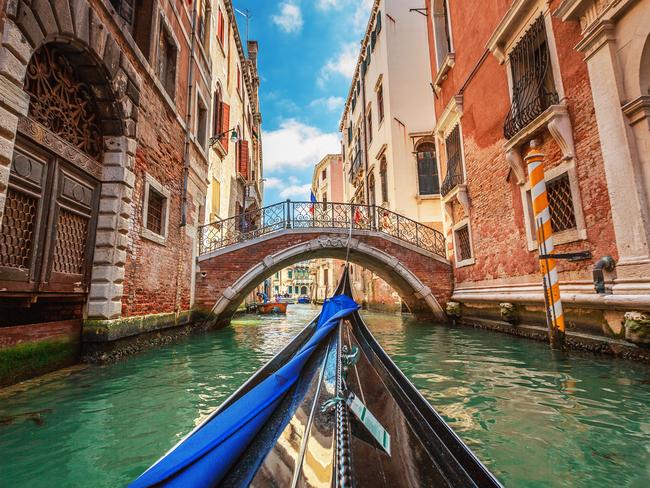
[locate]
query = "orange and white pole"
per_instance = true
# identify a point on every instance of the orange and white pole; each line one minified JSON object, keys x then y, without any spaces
{"x":548,"y":266}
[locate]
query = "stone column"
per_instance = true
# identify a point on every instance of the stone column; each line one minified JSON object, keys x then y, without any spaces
{"x":624,"y":178}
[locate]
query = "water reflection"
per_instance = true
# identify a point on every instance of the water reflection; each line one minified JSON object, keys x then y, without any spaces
{"x":538,"y":418}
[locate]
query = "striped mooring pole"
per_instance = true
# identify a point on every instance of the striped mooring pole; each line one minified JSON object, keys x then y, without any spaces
{"x":554,"y":313}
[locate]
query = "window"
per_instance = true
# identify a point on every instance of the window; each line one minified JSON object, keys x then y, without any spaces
{"x":167,"y":53}
{"x":290,"y":289}
{"x":216,"y":200}
{"x":560,"y":204}
{"x":203,"y":21}
{"x":533,"y":87}
{"x":239,"y":80}
{"x":384,"y":180}
{"x":441,"y":30}
{"x":380,"y":102}
{"x":289,"y":274}
{"x":221,"y":27}
{"x":217,"y":114}
{"x":428,"y":182}
{"x":463,"y":244}
{"x":201,"y":122}
{"x":371,"y":189}
{"x":323,"y":175}
{"x":369,"y":124}
{"x":326,"y":277}
{"x":138,"y":15}
{"x":454,"y":176}
{"x":154,"y":213}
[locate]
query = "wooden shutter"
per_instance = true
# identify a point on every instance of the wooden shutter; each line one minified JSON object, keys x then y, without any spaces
{"x":243,"y":159}
{"x":216,"y":199}
{"x":225,"y":122}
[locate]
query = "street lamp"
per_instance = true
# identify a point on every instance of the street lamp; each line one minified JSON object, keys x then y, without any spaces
{"x":234,"y":137}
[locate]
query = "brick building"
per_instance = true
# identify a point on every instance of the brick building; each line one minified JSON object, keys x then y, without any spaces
{"x":105,"y":112}
{"x":572,"y":75}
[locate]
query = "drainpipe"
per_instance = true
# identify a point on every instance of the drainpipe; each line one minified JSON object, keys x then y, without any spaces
{"x":606,"y":263}
{"x":188,"y":121}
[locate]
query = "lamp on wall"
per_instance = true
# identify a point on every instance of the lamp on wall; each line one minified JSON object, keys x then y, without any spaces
{"x":234,"y":137}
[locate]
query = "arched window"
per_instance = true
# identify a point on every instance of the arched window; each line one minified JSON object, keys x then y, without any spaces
{"x":384,"y":180}
{"x":428,"y":182}
{"x":217,"y":113}
{"x":371,"y":189}
{"x":441,"y":30}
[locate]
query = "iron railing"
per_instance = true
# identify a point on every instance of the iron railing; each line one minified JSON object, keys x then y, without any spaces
{"x":454,"y":176}
{"x":318,"y":215}
{"x":533,"y":87}
{"x":356,"y":164}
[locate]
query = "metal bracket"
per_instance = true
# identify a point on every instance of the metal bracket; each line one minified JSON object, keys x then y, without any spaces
{"x":569,"y":256}
{"x":421,"y":11}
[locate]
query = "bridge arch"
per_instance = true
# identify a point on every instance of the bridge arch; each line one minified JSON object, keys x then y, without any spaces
{"x":226,"y":277}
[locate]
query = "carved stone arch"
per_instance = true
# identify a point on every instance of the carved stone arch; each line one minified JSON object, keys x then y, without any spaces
{"x":644,"y":68}
{"x":76,"y":28}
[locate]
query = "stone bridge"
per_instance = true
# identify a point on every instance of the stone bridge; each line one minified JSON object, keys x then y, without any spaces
{"x":237,"y":254}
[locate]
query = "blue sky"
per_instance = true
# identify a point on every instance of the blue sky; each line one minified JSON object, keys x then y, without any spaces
{"x":307,"y":55}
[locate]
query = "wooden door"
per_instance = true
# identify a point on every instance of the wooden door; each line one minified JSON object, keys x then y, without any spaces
{"x":48,"y":226}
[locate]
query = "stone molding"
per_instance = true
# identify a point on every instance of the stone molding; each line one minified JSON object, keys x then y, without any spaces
{"x":556,"y":120}
{"x":29,"y":26}
{"x":447,"y":64}
{"x":638,"y":110}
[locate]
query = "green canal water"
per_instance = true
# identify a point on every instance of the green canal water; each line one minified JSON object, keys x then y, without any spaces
{"x":535,"y":417}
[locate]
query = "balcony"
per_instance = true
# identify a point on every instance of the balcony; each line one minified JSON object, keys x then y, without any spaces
{"x":453,"y":178}
{"x":355,"y":167}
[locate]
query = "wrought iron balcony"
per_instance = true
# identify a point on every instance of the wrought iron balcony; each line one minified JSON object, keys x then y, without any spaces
{"x":355,"y":167}
{"x":533,"y":87}
{"x":452,"y":180}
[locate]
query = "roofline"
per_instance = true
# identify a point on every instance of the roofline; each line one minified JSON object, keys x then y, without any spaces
{"x":362,"y":50}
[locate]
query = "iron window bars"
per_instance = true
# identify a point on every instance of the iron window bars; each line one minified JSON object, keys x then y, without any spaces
{"x":533,"y":89}
{"x":454,"y":176}
{"x":319,"y":215}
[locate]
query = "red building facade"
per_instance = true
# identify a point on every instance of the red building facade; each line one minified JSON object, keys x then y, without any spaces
{"x":506,"y":73}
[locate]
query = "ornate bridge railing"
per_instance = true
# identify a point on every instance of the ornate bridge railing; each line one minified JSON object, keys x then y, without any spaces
{"x":318,"y":215}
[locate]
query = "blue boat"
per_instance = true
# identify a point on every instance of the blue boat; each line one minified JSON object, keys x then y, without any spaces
{"x":331,"y":409}
{"x":304,"y":299}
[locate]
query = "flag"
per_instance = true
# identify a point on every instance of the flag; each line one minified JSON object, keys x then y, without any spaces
{"x":358,"y":217}
{"x":312,"y":198}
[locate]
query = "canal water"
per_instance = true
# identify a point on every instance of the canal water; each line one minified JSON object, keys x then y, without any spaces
{"x":536,"y":418}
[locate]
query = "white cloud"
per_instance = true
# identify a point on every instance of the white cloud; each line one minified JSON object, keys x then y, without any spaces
{"x":342,"y":63}
{"x":330,"y":103}
{"x":289,"y":19}
{"x":358,"y":11}
{"x":297,"y":145}
{"x":297,"y":192}
{"x":272,"y":182}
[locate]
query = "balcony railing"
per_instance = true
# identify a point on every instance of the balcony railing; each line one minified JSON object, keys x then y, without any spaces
{"x":308,"y":215}
{"x":356,"y":164}
{"x":532,"y":80}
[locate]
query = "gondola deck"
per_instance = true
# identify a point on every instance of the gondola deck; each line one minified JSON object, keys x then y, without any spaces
{"x":305,"y":434}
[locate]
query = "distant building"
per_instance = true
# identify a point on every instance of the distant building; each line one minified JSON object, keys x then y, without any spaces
{"x":327,"y":186}
{"x":388,"y":119}
{"x":292,"y":282}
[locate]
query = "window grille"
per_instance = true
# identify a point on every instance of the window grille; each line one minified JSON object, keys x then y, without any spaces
{"x":124,"y":9}
{"x":454,"y":176}
{"x":17,"y":230}
{"x":155,"y":208}
{"x":533,"y":88}
{"x":463,"y":246}
{"x":560,"y":203}
{"x":202,"y":21}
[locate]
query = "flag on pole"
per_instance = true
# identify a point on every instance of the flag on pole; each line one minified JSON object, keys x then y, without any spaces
{"x":312,"y":198}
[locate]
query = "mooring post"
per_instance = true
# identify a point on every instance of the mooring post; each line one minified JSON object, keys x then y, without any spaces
{"x":548,"y":266}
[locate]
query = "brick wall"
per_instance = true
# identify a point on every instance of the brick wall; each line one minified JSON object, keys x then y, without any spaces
{"x":496,"y":207}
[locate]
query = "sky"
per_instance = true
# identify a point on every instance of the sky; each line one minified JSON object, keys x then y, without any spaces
{"x":307,"y":54}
